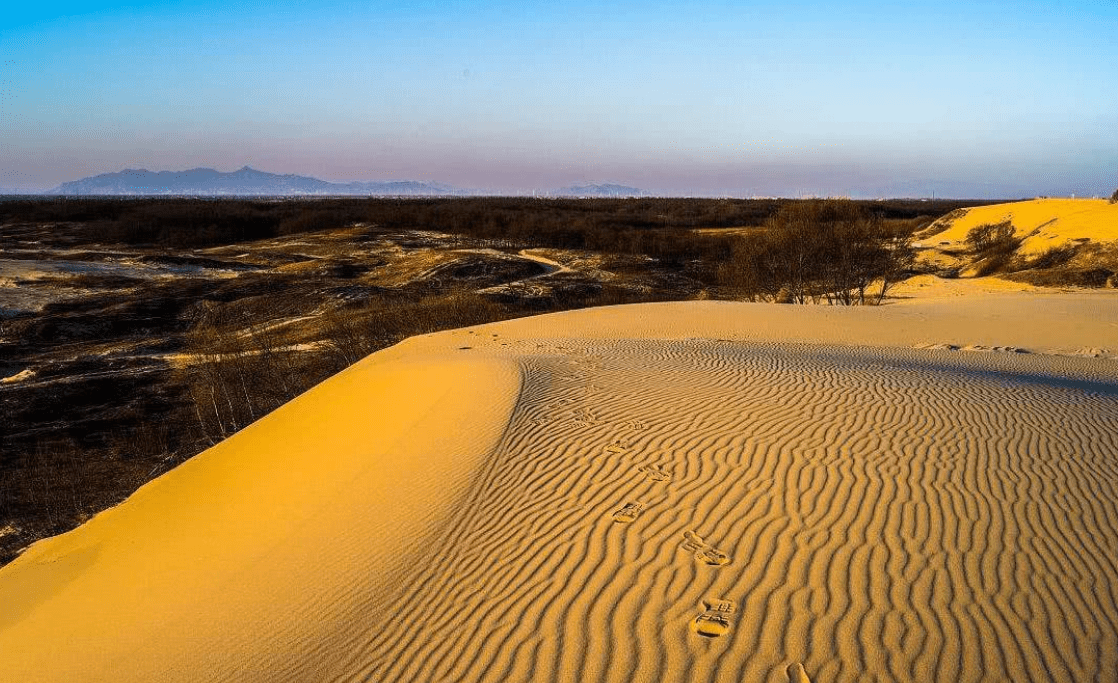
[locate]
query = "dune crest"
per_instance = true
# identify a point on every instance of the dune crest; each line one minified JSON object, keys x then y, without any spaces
{"x":271,"y":537}
{"x":887,"y":512}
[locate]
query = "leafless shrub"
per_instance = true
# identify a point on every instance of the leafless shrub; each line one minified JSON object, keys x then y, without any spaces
{"x":238,"y":369}
{"x":994,"y":244}
{"x":993,"y":238}
{"x":1065,"y":277}
{"x":830,"y":251}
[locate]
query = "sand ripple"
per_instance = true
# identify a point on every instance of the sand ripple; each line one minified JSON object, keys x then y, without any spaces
{"x":903,"y":515}
{"x":670,"y":509}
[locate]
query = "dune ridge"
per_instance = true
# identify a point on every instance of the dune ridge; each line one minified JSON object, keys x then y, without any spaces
{"x":789,"y":511}
{"x":242,"y":562}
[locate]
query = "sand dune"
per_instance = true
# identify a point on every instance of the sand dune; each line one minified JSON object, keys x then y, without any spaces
{"x":672,"y":492}
{"x":1047,"y":222}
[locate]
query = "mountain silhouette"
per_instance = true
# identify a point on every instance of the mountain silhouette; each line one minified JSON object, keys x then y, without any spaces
{"x":245,"y":181}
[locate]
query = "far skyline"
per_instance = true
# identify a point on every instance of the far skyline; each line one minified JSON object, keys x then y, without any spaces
{"x":145,"y":182}
{"x":985,"y":100}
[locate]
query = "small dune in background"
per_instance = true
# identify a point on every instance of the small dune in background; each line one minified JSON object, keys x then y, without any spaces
{"x":1041,"y":223}
{"x":1043,"y":242}
{"x":698,"y":491}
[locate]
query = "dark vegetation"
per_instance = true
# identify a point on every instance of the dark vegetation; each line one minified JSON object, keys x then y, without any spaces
{"x":133,"y":374}
{"x":994,"y":245}
{"x":1114,"y":197}
{"x":1070,"y":265}
{"x":821,"y":250}
{"x":656,"y":227}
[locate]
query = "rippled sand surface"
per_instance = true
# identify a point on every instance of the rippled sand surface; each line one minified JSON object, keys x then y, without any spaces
{"x":678,"y":492}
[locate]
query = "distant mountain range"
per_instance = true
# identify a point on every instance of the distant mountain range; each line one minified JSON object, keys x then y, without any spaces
{"x":251,"y":182}
{"x":246,"y":181}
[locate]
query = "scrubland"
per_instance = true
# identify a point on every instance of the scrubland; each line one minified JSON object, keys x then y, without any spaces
{"x":135,"y":333}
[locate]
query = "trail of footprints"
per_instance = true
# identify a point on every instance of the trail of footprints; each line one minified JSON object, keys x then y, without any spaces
{"x":716,"y":617}
{"x":714,"y":621}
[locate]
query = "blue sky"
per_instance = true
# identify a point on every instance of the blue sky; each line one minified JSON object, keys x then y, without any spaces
{"x":974,"y":98}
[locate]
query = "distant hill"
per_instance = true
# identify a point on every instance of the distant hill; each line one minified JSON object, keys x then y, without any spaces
{"x":246,"y":181}
{"x":603,"y":190}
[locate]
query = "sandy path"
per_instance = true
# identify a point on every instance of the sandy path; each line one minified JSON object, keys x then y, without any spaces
{"x":667,"y":492}
{"x":526,"y":286}
{"x":553,"y":266}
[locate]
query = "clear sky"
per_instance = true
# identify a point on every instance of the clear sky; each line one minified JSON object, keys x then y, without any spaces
{"x":976,"y":98}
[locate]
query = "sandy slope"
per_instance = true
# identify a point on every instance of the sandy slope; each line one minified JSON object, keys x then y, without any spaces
{"x":672,"y":492}
{"x":1048,"y":222}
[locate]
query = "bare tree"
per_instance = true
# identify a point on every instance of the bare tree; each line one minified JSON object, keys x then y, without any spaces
{"x":820,"y":250}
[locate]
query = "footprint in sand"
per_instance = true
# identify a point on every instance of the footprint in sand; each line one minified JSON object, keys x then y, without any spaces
{"x":692,"y":542}
{"x":704,"y":552}
{"x":628,"y":513}
{"x":796,"y":674}
{"x":633,"y":425}
{"x":713,"y":557}
{"x":655,"y":473}
{"x":618,"y":448}
{"x":715,"y":619}
{"x":585,"y":417}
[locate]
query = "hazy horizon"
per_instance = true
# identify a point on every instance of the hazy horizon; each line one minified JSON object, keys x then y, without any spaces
{"x":947,"y":98}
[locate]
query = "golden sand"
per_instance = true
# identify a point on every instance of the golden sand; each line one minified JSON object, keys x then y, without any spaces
{"x":701,"y":491}
{"x":1047,"y":223}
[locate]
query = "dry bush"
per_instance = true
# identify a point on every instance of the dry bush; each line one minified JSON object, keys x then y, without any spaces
{"x":993,"y":238}
{"x":240,"y":369}
{"x":1053,"y":257}
{"x":1088,"y":277}
{"x":995,"y":245}
{"x":92,"y":281}
{"x":57,"y":485}
{"x":1071,"y":265}
{"x":820,"y":250}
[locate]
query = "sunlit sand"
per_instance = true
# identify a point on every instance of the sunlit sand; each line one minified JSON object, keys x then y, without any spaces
{"x":702,"y":491}
{"x":1044,"y":223}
